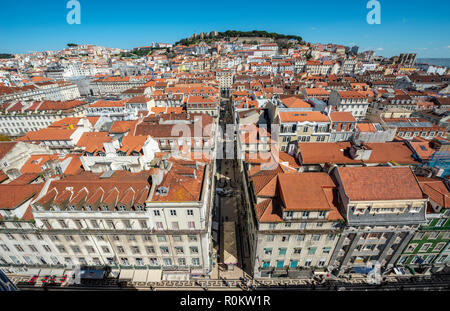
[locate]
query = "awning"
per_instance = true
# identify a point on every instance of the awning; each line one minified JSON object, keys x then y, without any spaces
{"x":154,"y":275}
{"x":140,"y":276}
{"x":362,"y":270}
{"x":126,"y":275}
{"x":92,"y":274}
{"x":114,"y":273}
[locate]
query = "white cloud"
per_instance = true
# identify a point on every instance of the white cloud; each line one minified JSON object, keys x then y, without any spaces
{"x":447,"y":47}
{"x":380,"y":49}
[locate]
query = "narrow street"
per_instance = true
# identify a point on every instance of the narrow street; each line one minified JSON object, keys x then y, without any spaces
{"x":228,"y":179}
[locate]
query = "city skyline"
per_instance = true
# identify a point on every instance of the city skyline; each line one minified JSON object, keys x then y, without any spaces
{"x":406,"y":26}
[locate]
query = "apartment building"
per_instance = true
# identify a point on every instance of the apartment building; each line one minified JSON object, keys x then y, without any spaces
{"x":354,"y":102}
{"x":56,"y":139}
{"x":56,"y":91}
{"x":13,"y":155}
{"x":194,"y":133}
{"x":132,"y":153}
{"x":409,"y":128}
{"x":146,"y":220}
{"x":343,"y":126}
{"x":305,"y":126}
{"x":113,"y":109}
{"x":427,"y":249}
{"x":294,"y":221}
{"x":117,"y":85}
{"x":383,"y":207}
{"x":21,"y":242}
{"x":19,"y":118}
{"x":203,"y":104}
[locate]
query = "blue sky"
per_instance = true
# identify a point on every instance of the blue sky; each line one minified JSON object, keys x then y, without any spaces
{"x":416,"y":26}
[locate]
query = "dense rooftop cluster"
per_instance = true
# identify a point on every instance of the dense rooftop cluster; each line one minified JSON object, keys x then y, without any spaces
{"x":342,"y":156}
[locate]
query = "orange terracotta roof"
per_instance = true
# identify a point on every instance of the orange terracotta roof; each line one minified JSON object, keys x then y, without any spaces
{"x":379,"y":183}
{"x":6,"y":147}
{"x":48,"y":134}
{"x":11,"y":196}
{"x":342,"y":116}
{"x":304,"y":116}
{"x":294,"y":102}
{"x":435,"y":190}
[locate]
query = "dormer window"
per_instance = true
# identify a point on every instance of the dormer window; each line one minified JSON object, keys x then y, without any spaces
{"x":71,"y":208}
{"x":360,"y":210}
{"x":289,"y":214}
{"x":414,"y":209}
{"x":88,"y":208}
{"x":105,"y":208}
{"x":122,"y":208}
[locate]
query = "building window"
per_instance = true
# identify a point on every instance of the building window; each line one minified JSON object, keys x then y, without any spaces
{"x":173,"y":212}
{"x":312,"y":250}
{"x":135,"y":250}
{"x":94,"y":224}
{"x":190,"y":212}
{"x":326,"y":250}
{"x":164,"y":250}
{"x":156,"y":212}
{"x":167,"y":262}
{"x":177,"y":238}
{"x":280,"y":264}
{"x":433,"y":235}
{"x":439,"y":247}
{"x":192,"y":238}
{"x":425,"y":247}
{"x":194,"y":250}
{"x":47,"y":248}
{"x":143,"y":224}
{"x":179,"y":250}
{"x":315,"y":237}
{"x":161,"y":238}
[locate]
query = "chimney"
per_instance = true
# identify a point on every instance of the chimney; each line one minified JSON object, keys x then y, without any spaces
{"x":360,"y":152}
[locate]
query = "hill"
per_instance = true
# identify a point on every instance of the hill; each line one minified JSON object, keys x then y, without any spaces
{"x":232,"y":35}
